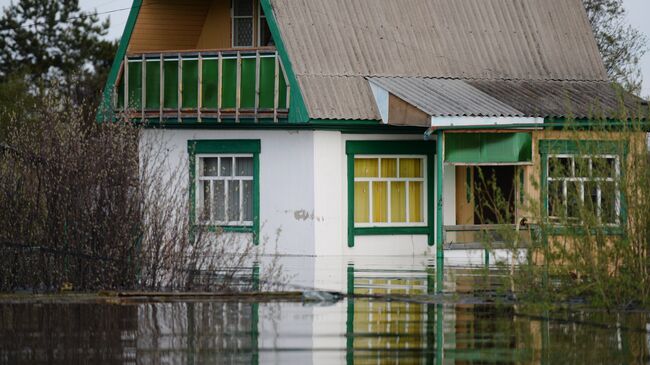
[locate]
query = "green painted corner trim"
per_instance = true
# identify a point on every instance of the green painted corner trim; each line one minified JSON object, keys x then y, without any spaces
{"x":298,"y":112}
{"x":439,"y":196}
{"x":402,"y":147}
{"x":226,"y":146}
{"x":547,"y":147}
{"x":106,"y":109}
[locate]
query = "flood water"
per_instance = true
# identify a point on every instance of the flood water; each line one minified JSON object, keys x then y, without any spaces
{"x":461,"y":330}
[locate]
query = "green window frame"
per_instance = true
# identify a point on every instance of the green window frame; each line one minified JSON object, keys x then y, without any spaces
{"x":578,"y":158}
{"x":397,"y":149}
{"x":228,"y":149}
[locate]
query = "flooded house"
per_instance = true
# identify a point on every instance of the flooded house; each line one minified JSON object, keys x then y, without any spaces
{"x":359,"y":128}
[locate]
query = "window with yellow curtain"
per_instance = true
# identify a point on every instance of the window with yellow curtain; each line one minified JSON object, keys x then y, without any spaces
{"x":389,"y":191}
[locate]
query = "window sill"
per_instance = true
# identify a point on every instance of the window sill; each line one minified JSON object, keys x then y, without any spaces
{"x":226,"y":229}
{"x":568,"y":230}
{"x":390,"y":231}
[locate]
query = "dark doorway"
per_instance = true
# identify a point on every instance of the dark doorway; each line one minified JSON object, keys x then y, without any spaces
{"x":494,"y":192}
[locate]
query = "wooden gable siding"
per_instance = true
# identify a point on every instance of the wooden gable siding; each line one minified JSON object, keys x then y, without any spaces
{"x":167,"y":25}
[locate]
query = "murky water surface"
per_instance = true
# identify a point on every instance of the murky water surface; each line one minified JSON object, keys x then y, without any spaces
{"x":359,"y":331}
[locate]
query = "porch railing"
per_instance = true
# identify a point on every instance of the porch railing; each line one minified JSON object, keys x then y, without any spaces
{"x":220,"y":84}
{"x":478,"y":235}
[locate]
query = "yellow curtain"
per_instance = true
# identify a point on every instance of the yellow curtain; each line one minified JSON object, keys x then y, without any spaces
{"x":366,"y":167}
{"x":398,"y":201}
{"x":415,"y":202}
{"x":389,"y":167}
{"x":379,"y":202}
{"x":361,"y":202}
{"x":410,"y":167}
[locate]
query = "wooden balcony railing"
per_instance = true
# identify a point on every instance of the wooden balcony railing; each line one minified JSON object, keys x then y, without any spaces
{"x":215,"y":85}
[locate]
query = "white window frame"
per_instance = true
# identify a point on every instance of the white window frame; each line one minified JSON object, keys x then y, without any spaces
{"x":581,"y":181}
{"x":389,"y":180}
{"x":232,"y":23}
{"x":200,"y":179}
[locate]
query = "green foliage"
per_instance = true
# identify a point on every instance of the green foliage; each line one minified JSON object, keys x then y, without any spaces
{"x":621,"y":46}
{"x":48,"y":43}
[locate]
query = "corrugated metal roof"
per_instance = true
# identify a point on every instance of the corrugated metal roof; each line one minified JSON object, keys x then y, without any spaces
{"x":467,"y":39}
{"x":445,"y":97}
{"x":580,"y":99}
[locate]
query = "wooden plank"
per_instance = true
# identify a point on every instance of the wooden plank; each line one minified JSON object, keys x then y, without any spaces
{"x":220,"y":87}
{"x":180,"y":88}
{"x":143,"y":80}
{"x":286,"y":82}
{"x":238,"y":88}
{"x":162,"y":87}
{"x":126,"y":85}
{"x":257,"y":82}
{"x":199,"y":96}
{"x":276,"y":89}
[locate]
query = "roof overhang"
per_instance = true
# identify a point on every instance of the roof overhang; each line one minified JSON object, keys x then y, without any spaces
{"x":442,"y":103}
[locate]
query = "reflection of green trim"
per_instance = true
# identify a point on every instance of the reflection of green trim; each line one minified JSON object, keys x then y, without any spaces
{"x":195,"y":147}
{"x":255,"y":318}
{"x":297,"y":108}
{"x":105,"y":110}
{"x":572,"y":147}
{"x":440,"y":338}
{"x":405,"y":147}
{"x":349,"y":328}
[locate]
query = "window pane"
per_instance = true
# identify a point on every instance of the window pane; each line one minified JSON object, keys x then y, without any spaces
{"x":243,"y":7}
{"x":388,"y":167}
{"x":361,"y":202}
{"x":559,"y":167}
{"x":398,"y":202}
{"x":266,"y":38}
{"x":604,"y":167}
{"x":248,"y":201}
{"x":365,"y":167}
{"x":233,"y":201}
{"x":219,"y":201}
{"x":415,"y":202}
{"x":379,"y":202}
{"x":226,"y":166}
{"x":591,"y":196}
{"x":244,"y":166}
{"x":582,"y":167}
{"x":410,"y":167}
{"x":573,"y":199}
{"x":243,"y":32}
{"x":210,"y":166}
{"x":608,"y":202}
{"x":205,"y":201}
{"x":555,"y":199}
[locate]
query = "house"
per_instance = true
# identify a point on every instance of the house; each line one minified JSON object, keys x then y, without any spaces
{"x":356,"y":128}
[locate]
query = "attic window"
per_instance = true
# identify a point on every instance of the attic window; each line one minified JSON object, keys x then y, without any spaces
{"x":242,"y":23}
{"x":264,"y":38}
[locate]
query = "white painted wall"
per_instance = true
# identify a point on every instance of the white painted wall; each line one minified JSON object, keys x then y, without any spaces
{"x":303,"y":190}
{"x":286,"y":181}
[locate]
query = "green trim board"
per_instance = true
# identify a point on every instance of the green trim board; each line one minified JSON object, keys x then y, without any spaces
{"x":298,"y":112}
{"x":105,"y":109}
{"x":588,"y":147}
{"x":403,"y":147}
{"x":227,"y":146}
{"x":481,"y":148}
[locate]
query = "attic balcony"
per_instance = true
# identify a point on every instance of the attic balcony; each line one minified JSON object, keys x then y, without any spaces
{"x":203,"y":86}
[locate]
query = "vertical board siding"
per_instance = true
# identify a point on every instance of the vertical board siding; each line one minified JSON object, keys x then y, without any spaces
{"x":153,"y":85}
{"x":190,"y":81}
{"x":210,"y":84}
{"x":171,"y":84}
{"x":204,"y":83}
